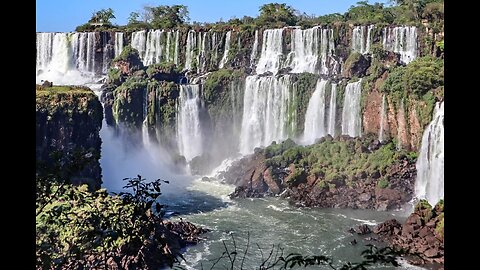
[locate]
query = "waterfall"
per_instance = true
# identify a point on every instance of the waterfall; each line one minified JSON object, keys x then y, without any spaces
{"x":214,"y":47}
{"x":168,"y":56}
{"x":69,"y":58}
{"x":383,"y":116}
{"x":227,"y":49}
{"x":304,"y":50}
{"x":139,"y":42}
{"x":190,"y":50}
{"x":189,"y":132}
{"x":272,"y":51}
{"x":253,"y":55}
{"x":266,"y":103}
{"x":145,"y":137}
{"x":53,"y":52}
{"x":332,"y":110}
{"x":362,"y":38}
{"x":153,"y":49}
{"x":118,"y":43}
{"x":175,"y":56}
{"x":315,"y":116}
{"x":351,"y":121}
{"x":327,"y":46}
{"x":401,"y":40}
{"x":311,"y":51}
{"x":429,"y":184}
{"x":201,"y":57}
{"x":369,"y":41}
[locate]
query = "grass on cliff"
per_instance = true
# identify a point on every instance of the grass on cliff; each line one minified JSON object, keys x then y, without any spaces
{"x":62,"y":89}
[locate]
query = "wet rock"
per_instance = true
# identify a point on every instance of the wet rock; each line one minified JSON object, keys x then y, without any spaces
{"x":363,"y":229}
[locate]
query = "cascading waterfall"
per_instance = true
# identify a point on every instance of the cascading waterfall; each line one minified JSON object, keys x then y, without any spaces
{"x":253,"y":55}
{"x":118,"y":43}
{"x":153,"y":49}
{"x":68,"y":58}
{"x":145,"y":136}
{"x":90,"y":52}
{"x":139,"y":42}
{"x":189,"y":131}
{"x":227,"y":49}
{"x":402,"y":40}
{"x":360,"y":42}
{"x":315,"y":116}
{"x":332,"y":110}
{"x":175,"y":56}
{"x":214,"y":47}
{"x":201,"y":63}
{"x":383,"y":116}
{"x":304,"y":54}
{"x":272,"y":51}
{"x":311,"y":51}
{"x":266,"y":103}
{"x":53,"y":52}
{"x":430,"y":180}
{"x":327,"y":47}
{"x":351,"y":121}
{"x":190,"y":50}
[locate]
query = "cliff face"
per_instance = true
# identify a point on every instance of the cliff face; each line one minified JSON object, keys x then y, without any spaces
{"x":257,"y":84}
{"x":68,"y":121}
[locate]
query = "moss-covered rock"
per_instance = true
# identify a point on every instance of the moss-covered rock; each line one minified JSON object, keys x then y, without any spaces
{"x":356,"y":65}
{"x":68,"y":123}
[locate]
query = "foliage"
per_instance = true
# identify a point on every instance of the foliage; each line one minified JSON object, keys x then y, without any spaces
{"x":418,"y":77}
{"x":364,"y":13}
{"x":76,"y":227}
{"x":334,"y":161}
{"x":276,"y":15}
{"x":164,"y":67}
{"x":166,"y":17}
{"x":102,"y":16}
{"x":383,"y":183}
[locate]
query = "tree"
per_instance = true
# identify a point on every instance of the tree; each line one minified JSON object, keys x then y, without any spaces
{"x":164,"y":17}
{"x":277,"y":15}
{"x":133,"y":17}
{"x":102,"y":16}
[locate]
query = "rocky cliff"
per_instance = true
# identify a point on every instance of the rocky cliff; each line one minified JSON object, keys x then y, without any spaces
{"x":68,"y":122}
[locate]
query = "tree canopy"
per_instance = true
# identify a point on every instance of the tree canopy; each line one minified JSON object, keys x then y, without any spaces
{"x":102,"y":16}
{"x":275,"y":14}
{"x":164,"y":17}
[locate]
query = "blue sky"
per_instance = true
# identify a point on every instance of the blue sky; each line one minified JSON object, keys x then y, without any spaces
{"x":65,"y":15}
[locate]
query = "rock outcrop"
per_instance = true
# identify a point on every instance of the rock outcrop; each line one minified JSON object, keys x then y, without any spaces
{"x":68,"y":122}
{"x":421,"y":235}
{"x":319,"y":183}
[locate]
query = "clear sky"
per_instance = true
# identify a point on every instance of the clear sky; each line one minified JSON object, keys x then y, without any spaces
{"x":65,"y":15}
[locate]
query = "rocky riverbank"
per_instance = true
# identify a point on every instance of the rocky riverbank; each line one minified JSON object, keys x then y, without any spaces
{"x":338,"y":173}
{"x":421,"y":235}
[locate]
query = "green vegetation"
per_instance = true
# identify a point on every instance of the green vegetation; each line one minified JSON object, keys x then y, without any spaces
{"x":334,"y":161}
{"x":166,"y":17}
{"x":128,"y":104}
{"x":364,"y":13}
{"x":68,"y":100}
{"x":76,"y":227}
{"x":99,"y":21}
{"x":383,"y":183}
{"x":276,"y":15}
